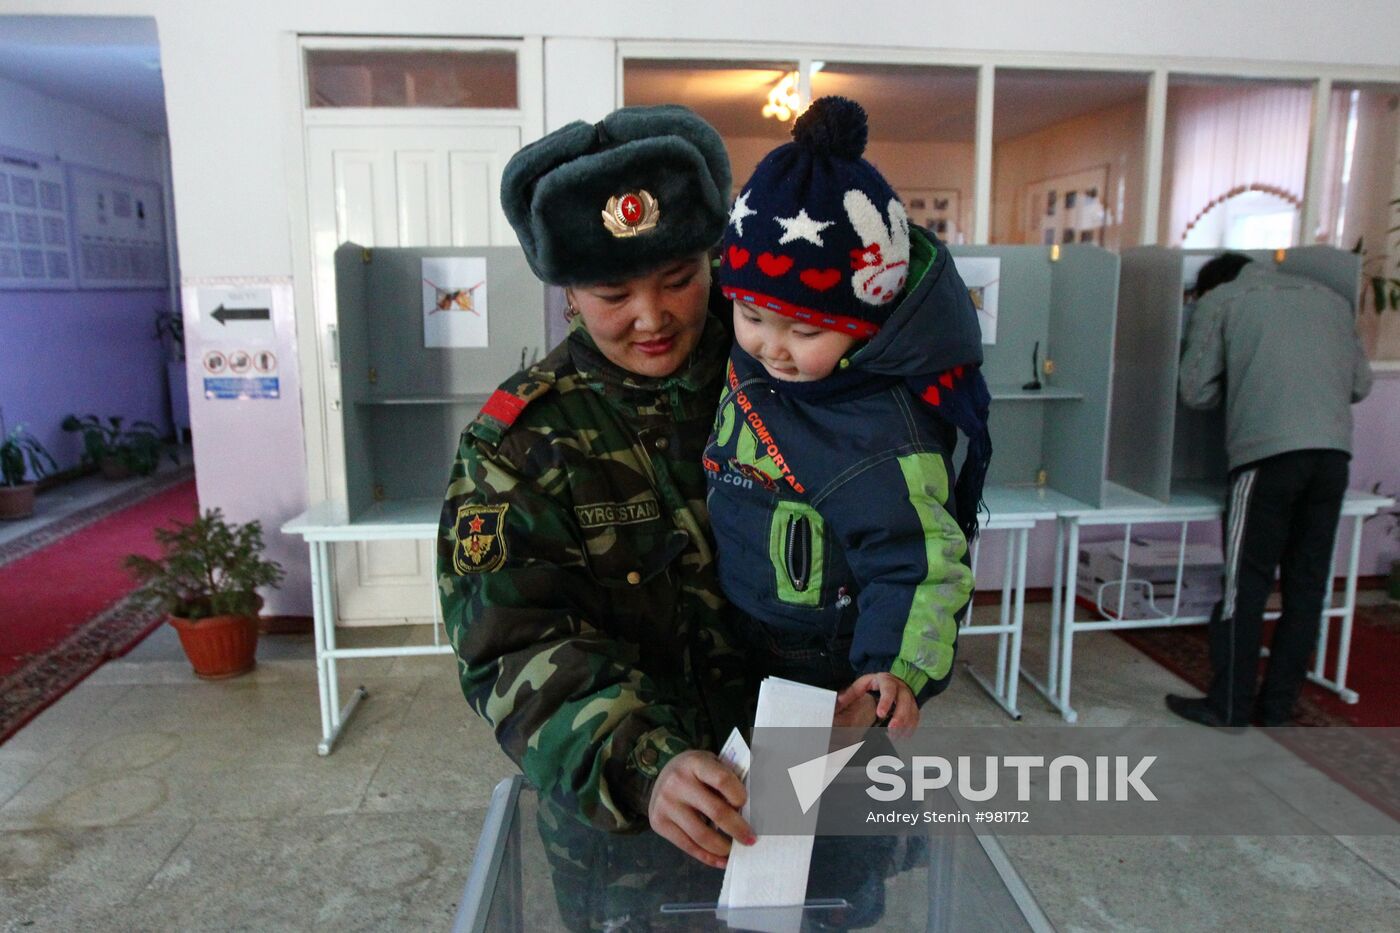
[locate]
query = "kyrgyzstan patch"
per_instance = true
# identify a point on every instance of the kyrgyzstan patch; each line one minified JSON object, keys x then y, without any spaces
{"x":481,"y":542}
{"x":616,"y":513}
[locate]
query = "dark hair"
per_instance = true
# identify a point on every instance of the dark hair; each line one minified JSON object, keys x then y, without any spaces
{"x":1223,"y":268}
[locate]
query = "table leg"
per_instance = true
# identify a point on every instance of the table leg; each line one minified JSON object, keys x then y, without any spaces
{"x":1067,"y":623}
{"x":1018,"y":619}
{"x":338,"y":717}
{"x":1347,"y":614}
{"x":1007,"y":593}
{"x":319,"y":580}
{"x":1052,"y":667}
{"x":1052,"y":663}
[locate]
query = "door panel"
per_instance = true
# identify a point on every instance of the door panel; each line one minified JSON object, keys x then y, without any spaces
{"x":394,"y":186}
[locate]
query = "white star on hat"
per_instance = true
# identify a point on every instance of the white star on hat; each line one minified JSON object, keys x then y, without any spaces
{"x":741,"y":210}
{"x":803,"y":227}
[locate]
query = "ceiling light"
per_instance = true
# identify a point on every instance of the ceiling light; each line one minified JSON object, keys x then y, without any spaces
{"x":784,"y":101}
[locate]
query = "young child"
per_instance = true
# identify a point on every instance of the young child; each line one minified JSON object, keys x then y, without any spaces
{"x":841,"y":533}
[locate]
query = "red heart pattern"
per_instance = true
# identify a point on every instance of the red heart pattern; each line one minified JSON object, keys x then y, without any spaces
{"x":738,"y":256}
{"x":820,"y":279}
{"x":774,"y":266}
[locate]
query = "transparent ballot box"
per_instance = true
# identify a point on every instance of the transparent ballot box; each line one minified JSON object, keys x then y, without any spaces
{"x":537,"y":869}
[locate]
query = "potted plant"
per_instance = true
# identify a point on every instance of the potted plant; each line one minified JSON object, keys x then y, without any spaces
{"x":207,"y":580}
{"x":117,"y":451}
{"x":21,"y":455}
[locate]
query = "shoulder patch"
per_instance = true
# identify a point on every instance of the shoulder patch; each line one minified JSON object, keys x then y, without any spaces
{"x":481,"y":543}
{"x":504,"y":406}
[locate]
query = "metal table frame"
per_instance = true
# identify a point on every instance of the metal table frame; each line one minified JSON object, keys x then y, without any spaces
{"x":1188,"y":506}
{"x":328,"y":523}
{"x":1015,"y":510}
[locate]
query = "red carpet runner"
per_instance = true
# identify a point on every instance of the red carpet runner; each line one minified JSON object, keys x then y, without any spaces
{"x":1371,"y":672}
{"x":61,"y":614}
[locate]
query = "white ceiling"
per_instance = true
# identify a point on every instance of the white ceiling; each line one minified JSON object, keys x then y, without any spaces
{"x":107,"y":64}
{"x":905,"y":103}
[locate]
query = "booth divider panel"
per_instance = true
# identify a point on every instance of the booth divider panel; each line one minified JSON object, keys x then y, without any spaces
{"x":353,"y":336}
{"x":1083,"y":306}
{"x":416,"y":446}
{"x":1023,"y":301}
{"x":1146,"y":357}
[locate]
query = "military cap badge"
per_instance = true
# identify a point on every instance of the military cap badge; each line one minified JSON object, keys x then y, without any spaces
{"x":481,"y":545}
{"x":632,"y":213}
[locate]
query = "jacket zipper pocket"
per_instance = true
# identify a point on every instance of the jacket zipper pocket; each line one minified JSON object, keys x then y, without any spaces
{"x":798,"y":551}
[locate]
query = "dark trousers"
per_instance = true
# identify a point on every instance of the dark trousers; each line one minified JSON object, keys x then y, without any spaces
{"x":1281,"y":515}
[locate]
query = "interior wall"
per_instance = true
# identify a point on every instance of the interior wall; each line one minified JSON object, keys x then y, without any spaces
{"x":1113,"y":137}
{"x":84,"y":351}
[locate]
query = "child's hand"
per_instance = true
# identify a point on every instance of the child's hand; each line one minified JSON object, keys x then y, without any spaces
{"x":859,"y":713}
{"x":896,"y":700}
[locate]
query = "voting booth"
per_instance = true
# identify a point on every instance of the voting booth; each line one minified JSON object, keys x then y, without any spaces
{"x":426,"y":335}
{"x":1051,"y":321}
{"x":1157,"y":444}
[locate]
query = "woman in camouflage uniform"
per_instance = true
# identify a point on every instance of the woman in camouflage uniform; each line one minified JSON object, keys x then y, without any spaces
{"x":575,"y":560}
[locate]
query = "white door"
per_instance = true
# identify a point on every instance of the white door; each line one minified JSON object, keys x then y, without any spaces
{"x":400,"y":185}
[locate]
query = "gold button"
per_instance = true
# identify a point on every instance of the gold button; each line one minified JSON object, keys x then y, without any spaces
{"x":662,"y":443}
{"x":634,"y":578}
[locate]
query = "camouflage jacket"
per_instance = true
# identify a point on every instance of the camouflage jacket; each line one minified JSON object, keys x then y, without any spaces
{"x":577,"y":576}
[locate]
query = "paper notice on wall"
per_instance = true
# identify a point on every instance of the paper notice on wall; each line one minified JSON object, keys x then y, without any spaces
{"x":454,"y":302}
{"x":982,"y":276}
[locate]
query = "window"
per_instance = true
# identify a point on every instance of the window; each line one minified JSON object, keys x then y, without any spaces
{"x":1067,"y":157}
{"x":922,"y":131}
{"x":1227,"y":138}
{"x":371,"y":77}
{"x":730,"y":95}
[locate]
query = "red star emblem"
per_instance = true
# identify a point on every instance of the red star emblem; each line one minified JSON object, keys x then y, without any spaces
{"x":476,"y":524}
{"x":631,"y":208}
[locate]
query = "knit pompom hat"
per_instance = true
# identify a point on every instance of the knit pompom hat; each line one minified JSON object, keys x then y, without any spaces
{"x":817,"y":234}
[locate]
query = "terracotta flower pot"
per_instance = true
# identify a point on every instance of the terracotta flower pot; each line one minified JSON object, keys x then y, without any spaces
{"x":219,"y":646}
{"x":17,"y":501}
{"x":114,"y":468}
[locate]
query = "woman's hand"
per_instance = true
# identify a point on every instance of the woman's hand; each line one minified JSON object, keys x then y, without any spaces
{"x":693,"y":795}
{"x":896,"y":702}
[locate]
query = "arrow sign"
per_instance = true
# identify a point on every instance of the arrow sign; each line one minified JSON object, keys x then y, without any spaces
{"x":224,"y":315}
{"x":810,"y":778}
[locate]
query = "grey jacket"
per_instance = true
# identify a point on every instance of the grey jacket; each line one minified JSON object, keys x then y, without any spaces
{"x":1284,"y":353}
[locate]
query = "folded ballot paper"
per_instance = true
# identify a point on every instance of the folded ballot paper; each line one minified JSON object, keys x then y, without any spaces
{"x":765,"y":884}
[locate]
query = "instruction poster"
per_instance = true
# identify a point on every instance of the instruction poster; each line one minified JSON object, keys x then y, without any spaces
{"x":236,"y":332}
{"x":119,"y":225}
{"x":454,"y":302}
{"x":982,"y":276}
{"x":34,"y":234}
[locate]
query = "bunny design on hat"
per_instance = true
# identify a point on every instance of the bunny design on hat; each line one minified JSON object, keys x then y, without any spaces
{"x":882,"y":264}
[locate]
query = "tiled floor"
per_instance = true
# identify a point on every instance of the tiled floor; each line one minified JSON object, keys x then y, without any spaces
{"x":148,"y":800}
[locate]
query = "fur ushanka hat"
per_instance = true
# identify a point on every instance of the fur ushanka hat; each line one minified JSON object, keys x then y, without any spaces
{"x":608,"y":201}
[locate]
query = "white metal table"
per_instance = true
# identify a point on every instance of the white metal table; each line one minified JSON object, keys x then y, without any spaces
{"x":1188,"y":505}
{"x":322,"y":525}
{"x":1015,"y":510}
